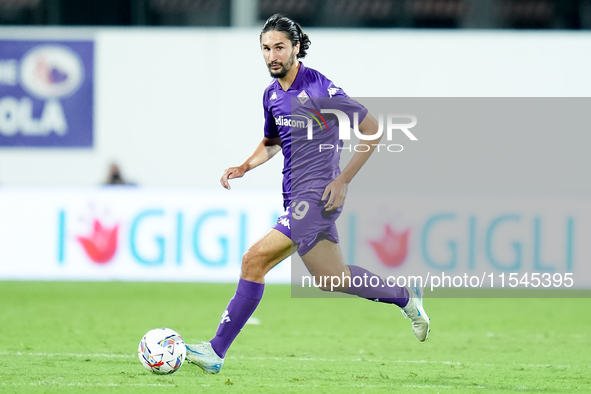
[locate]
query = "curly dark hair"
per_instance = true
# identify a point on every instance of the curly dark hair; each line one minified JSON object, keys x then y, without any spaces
{"x":292,"y":30}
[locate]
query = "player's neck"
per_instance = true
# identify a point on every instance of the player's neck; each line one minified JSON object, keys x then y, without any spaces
{"x":286,"y":81}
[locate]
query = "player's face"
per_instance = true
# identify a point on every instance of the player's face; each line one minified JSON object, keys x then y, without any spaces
{"x":278,"y":52}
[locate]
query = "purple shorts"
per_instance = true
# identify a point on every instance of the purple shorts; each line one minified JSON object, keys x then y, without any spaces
{"x":306,"y":222}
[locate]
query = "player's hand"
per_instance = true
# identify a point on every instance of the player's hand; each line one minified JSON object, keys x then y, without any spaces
{"x":335,"y":193}
{"x":231,"y":173}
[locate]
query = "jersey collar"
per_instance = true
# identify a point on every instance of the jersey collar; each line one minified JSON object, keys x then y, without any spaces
{"x":297,"y":82}
{"x":299,"y":79}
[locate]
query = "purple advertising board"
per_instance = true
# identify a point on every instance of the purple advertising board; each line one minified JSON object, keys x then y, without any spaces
{"x":46,"y":93}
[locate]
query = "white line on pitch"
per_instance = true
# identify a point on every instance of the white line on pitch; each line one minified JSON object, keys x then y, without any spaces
{"x":67,"y":354}
{"x":56,"y":383}
{"x":289,"y":358}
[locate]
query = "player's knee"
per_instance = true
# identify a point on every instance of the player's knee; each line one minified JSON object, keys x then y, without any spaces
{"x":325,"y":283}
{"x":331,"y":281}
{"x":253,"y":268}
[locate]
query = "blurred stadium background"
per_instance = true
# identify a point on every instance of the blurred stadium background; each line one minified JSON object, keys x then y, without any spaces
{"x":496,"y":14}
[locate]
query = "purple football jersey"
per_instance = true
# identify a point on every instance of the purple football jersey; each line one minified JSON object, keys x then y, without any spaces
{"x":305,"y":167}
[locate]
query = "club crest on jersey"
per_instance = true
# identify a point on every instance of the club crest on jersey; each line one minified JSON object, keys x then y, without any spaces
{"x":303,"y":97}
{"x":274,"y":96}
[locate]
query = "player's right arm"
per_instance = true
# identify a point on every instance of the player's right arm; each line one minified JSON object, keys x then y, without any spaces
{"x":264,"y":151}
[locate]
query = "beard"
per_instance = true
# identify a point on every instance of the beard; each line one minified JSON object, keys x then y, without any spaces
{"x":284,"y":68}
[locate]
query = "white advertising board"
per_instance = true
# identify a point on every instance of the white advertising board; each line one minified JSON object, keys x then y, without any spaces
{"x":135,"y":234}
{"x":132,"y":234}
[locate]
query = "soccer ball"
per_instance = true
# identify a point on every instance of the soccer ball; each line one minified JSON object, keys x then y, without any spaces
{"x":162,"y":351}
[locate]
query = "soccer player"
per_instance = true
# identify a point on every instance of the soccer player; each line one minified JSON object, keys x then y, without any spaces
{"x":314,"y":191}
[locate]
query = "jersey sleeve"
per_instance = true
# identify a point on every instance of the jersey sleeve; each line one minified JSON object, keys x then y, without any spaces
{"x":270,"y":128}
{"x":344,"y":102}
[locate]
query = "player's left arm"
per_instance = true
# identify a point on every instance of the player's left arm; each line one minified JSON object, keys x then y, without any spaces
{"x":336,"y":191}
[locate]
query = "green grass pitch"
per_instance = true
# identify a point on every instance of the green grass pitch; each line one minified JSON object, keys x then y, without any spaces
{"x":82,"y":337}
